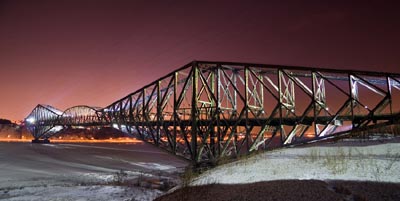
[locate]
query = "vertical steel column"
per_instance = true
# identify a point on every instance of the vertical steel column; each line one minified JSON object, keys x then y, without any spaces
{"x":137,"y":108}
{"x":352,"y":99}
{"x":130,"y":119}
{"x":261,"y":78}
{"x":218,"y":78}
{"x":121,"y":116}
{"x":389,"y":93}
{"x":144,"y":118}
{"x":234,"y":77}
{"x":214,"y":113}
{"x":234,"y":111}
{"x":246,"y":105}
{"x":175,"y":114}
{"x":194,"y":111}
{"x":280,"y":105}
{"x":159,"y":99}
{"x":314,"y":80}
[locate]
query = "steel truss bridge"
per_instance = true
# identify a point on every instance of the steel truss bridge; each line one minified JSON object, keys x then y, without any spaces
{"x":208,"y":110}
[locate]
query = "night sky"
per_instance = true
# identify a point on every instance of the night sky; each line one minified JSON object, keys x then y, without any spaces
{"x":66,"y":53}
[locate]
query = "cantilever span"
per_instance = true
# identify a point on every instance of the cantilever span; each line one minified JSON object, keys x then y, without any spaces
{"x":205,"y":110}
{"x":81,"y":115}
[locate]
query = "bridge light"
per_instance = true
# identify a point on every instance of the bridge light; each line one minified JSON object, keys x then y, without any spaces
{"x":115,"y":126}
{"x":31,"y":120}
{"x":338,"y":123}
{"x":366,"y":107}
{"x":327,"y":109}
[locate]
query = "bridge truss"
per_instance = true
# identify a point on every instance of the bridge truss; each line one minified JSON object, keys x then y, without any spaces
{"x":208,"y":110}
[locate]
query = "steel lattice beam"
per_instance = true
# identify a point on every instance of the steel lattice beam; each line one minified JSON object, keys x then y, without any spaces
{"x":208,"y":110}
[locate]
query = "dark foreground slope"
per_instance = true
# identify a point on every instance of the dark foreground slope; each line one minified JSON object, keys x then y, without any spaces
{"x":296,"y":190}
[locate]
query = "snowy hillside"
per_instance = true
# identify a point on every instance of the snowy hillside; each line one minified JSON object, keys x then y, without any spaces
{"x":375,"y":162}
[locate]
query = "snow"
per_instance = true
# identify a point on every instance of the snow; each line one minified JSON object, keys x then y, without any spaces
{"x":82,"y":193}
{"x":88,"y":172}
{"x":379,"y":162}
{"x":154,"y":166}
{"x":83,"y":171}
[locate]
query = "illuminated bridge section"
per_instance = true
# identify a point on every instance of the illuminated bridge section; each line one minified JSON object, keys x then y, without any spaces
{"x":45,"y":121}
{"x":81,"y":115}
{"x":42,"y":121}
{"x":208,"y":110}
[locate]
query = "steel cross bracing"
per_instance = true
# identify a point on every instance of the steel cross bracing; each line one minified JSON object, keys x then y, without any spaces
{"x":208,"y":110}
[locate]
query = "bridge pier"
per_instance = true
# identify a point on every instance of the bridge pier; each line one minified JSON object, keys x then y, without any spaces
{"x":41,"y":141}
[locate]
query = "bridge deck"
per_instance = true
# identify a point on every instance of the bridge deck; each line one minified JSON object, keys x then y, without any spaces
{"x":290,"y":121}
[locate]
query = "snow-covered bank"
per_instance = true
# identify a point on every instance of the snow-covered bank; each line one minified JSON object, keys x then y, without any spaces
{"x":379,"y":162}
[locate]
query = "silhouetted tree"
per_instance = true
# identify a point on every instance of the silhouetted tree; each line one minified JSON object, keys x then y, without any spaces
{"x":5,"y":121}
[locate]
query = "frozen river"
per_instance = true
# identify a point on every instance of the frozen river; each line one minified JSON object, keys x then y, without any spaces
{"x":62,"y":171}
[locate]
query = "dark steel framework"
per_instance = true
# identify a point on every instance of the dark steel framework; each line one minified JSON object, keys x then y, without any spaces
{"x":208,"y":110}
